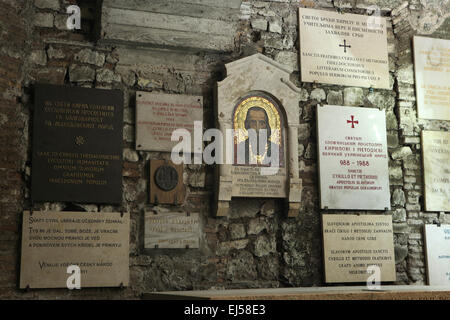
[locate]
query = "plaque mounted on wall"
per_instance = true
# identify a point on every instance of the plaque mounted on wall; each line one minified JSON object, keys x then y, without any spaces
{"x":353,"y":158}
{"x":97,"y":243}
{"x":77,"y":145}
{"x":166,"y":182}
{"x":354,"y":246}
{"x":344,"y":49}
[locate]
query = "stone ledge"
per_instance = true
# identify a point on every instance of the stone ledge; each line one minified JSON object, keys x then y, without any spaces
{"x":390,"y":292}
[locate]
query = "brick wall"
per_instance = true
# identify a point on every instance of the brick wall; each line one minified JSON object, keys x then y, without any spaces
{"x":13,"y":39}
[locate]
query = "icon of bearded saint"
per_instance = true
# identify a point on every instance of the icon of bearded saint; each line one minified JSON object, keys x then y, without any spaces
{"x":257,"y":149}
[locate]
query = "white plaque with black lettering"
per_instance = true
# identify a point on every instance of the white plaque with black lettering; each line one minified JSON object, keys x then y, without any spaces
{"x":353,"y":158}
{"x":432,"y":74}
{"x":437,"y":243}
{"x":436,"y":167}
{"x":358,"y":248}
{"x":344,"y":49}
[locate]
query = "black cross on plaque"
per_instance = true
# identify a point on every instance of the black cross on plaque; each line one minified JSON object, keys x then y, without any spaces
{"x":345,"y":46}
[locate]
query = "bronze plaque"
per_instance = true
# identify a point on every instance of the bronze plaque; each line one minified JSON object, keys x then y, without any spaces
{"x":166,"y":182}
{"x":77,"y":145}
{"x":166,"y":178}
{"x":97,"y":243}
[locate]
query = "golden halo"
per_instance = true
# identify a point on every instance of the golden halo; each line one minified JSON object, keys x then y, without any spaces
{"x":241,"y":113}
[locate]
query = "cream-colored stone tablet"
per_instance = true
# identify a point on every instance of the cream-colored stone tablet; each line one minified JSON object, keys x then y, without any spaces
{"x":158,"y":115}
{"x":98,"y":243}
{"x":353,"y":243}
{"x":432,"y":74}
{"x":436,"y":167}
{"x":344,"y":49}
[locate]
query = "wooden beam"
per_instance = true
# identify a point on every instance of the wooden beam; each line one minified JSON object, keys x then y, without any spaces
{"x":166,"y":22}
{"x":177,"y":8}
{"x":171,"y":38}
{"x":234,"y":4}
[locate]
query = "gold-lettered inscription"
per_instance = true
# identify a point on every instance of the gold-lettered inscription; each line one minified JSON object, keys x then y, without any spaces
{"x":78,"y":115}
{"x":77,"y":144}
{"x":78,"y":168}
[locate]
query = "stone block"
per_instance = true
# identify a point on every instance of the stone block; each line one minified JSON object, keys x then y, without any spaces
{"x":335,"y":98}
{"x":398,"y":198}
{"x":237,"y":231}
{"x":107,"y":76}
{"x":401,"y":153}
{"x":81,"y":73}
{"x":353,"y":96}
{"x":264,"y":245}
{"x":318,"y":94}
{"x":90,"y":57}
{"x":259,"y":24}
{"x":44,"y":20}
{"x":276,"y":25}
{"x":47,"y":4}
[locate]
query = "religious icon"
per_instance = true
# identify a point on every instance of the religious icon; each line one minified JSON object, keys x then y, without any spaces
{"x":258,"y":128}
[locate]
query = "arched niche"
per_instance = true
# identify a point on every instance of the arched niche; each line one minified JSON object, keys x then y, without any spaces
{"x":258,"y":76}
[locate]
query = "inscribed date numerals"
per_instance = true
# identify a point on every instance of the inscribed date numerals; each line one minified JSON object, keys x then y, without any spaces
{"x":359,"y":163}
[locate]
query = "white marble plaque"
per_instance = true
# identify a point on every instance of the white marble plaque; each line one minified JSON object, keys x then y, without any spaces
{"x":344,"y":49}
{"x":437,"y":242}
{"x":159,"y":114}
{"x":98,"y":243}
{"x":353,"y":243}
{"x":353,"y":159}
{"x":249,"y":182}
{"x":436,"y":165}
{"x":172,"y":230}
{"x":432,"y":73}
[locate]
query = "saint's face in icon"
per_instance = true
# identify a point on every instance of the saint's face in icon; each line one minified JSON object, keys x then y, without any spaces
{"x":256,"y":151}
{"x":258,"y":132}
{"x":257,"y":120}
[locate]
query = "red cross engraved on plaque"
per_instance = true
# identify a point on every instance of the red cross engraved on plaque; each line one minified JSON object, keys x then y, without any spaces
{"x":353,"y":122}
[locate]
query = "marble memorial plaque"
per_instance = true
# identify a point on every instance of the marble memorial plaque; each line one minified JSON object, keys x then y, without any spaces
{"x":98,"y":243}
{"x":258,"y":104}
{"x":343,"y":49}
{"x":77,"y":145}
{"x":353,"y":158}
{"x":352,"y":243}
{"x":432,"y":74}
{"x":158,"y":115}
{"x":437,"y":243}
{"x":249,"y":182}
{"x":173,"y":230}
{"x":436,"y":166}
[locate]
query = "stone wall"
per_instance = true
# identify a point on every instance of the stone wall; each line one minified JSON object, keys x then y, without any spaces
{"x":257,"y":246}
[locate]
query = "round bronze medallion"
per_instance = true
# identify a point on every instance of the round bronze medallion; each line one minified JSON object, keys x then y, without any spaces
{"x":166,"y":178}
